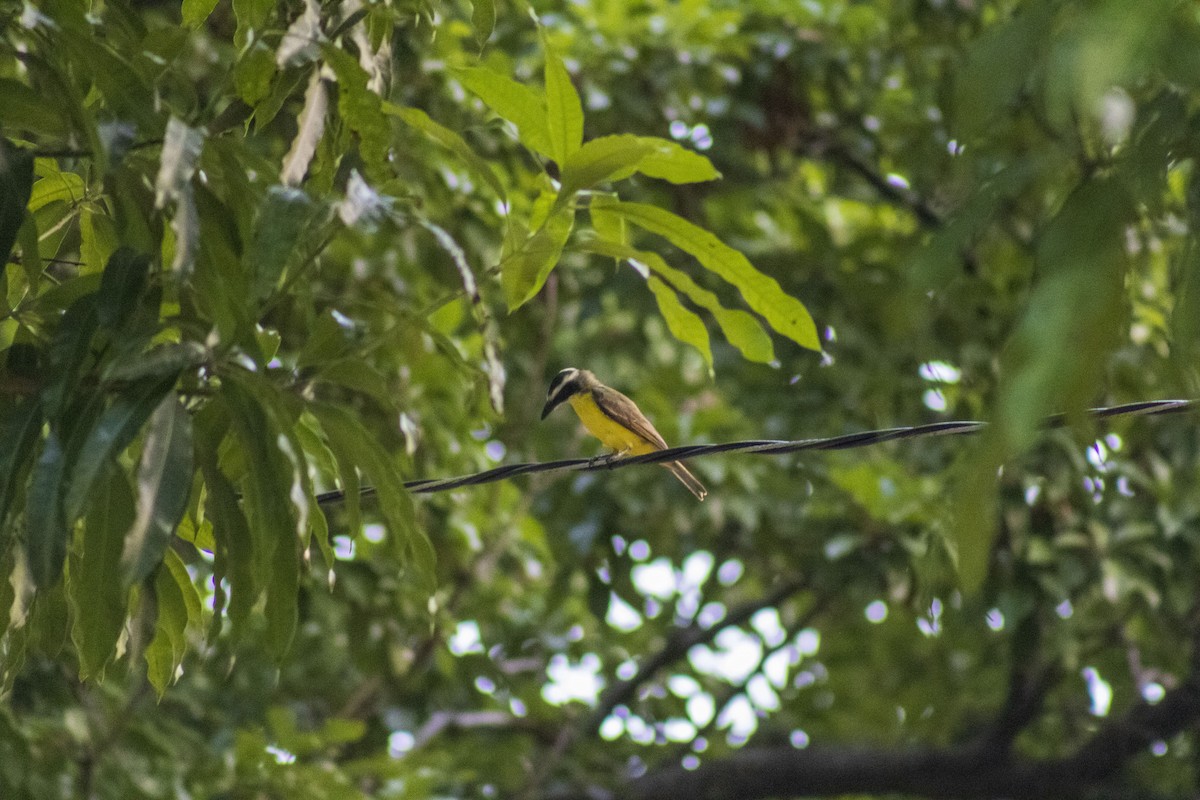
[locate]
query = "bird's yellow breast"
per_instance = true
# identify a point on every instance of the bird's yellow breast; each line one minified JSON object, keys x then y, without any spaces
{"x":611,"y":433}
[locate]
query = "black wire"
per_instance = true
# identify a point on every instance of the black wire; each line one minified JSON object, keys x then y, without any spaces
{"x":760,"y":446}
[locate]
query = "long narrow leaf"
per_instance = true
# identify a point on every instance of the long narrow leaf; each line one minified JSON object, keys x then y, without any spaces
{"x":45,"y":524}
{"x":762,"y":293}
{"x":564,"y":111}
{"x":164,"y":480}
{"x":98,"y":601}
{"x":113,"y":431}
{"x":515,"y":102}
{"x":683,"y":323}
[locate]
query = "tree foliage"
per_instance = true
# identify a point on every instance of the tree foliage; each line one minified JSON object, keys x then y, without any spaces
{"x":257,"y":252}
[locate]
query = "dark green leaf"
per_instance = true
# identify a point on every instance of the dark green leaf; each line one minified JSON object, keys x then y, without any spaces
{"x":483,"y":18}
{"x":46,"y":529}
{"x":449,"y":139}
{"x":281,"y":224}
{"x":19,"y":433}
{"x":164,"y":481}
{"x":98,"y":601}
{"x":352,"y":444}
{"x":235,"y":542}
{"x":113,"y":431}
{"x":16,"y":184}
{"x":360,"y":108}
{"x":68,"y":351}
{"x":121,"y":285}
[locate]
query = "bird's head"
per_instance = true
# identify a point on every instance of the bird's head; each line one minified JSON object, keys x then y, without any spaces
{"x":569,"y":382}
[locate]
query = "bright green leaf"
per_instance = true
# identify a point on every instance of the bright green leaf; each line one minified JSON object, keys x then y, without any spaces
{"x":523,"y":273}
{"x":741,"y":329}
{"x":681,"y":321}
{"x":564,"y":111}
{"x":671,"y":161}
{"x":195,"y":12}
{"x":515,"y":102}
{"x":762,"y":293}
{"x":601,"y":160}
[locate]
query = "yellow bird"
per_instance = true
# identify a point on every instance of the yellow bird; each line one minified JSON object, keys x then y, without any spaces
{"x":614,"y":419}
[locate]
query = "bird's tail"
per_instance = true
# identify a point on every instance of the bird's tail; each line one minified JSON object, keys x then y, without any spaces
{"x":687,"y":479}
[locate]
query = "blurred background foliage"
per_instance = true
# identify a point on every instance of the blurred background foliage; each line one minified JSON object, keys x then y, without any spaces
{"x":261,"y":250}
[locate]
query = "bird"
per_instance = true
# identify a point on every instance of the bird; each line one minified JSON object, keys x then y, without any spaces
{"x":614,"y":419}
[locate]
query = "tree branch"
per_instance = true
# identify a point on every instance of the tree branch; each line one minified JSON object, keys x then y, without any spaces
{"x":964,"y":772}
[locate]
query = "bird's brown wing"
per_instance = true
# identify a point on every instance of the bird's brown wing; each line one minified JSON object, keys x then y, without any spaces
{"x":620,"y":408}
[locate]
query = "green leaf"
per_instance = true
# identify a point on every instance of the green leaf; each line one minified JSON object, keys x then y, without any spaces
{"x":352,"y":444}
{"x":360,"y":108}
{"x":671,"y":161}
{"x":166,"y":650}
{"x":267,"y":489}
{"x":741,"y":329}
{"x":181,"y":150}
{"x":600,"y":160}
{"x":46,"y":529}
{"x":65,"y":186}
{"x":564,"y":111}
{"x":253,"y":72}
{"x":18,"y":435}
{"x":113,"y":431}
{"x":483,"y":18}
{"x":1056,"y":358}
{"x":23,"y":108}
{"x":98,"y":239}
{"x":683,"y":323}
{"x":235,"y":543}
{"x":164,"y":360}
{"x":608,"y":226}
{"x":762,"y":293}
{"x":282,"y":610}
{"x":452,"y":141}
{"x":69,"y":350}
{"x":164,"y":481}
{"x":523,"y":273}
{"x":195,"y":12}
{"x":252,"y":17}
{"x":515,"y":102}
{"x":98,"y":601}
{"x":16,"y":184}
{"x":285,"y":216}
{"x":998,"y":66}
{"x":122,"y":283}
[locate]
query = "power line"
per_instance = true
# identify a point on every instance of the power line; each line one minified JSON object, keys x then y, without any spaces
{"x":760,"y":446}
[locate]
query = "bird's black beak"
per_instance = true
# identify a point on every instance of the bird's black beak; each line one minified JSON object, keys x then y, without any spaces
{"x":550,"y":406}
